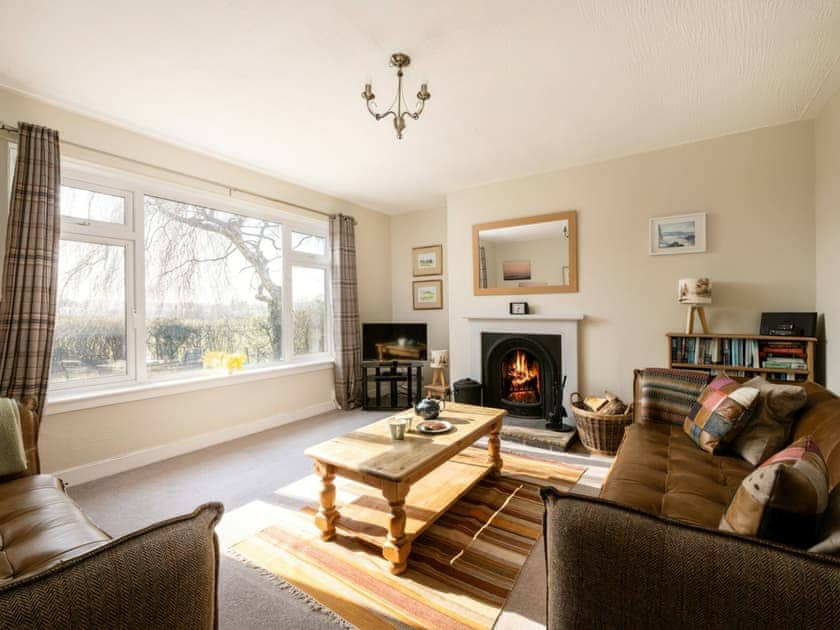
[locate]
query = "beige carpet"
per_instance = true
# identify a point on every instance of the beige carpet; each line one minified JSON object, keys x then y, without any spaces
{"x":245,"y":475}
{"x":461,"y":570}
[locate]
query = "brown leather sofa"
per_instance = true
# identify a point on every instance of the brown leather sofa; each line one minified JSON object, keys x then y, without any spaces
{"x":59,"y":570}
{"x":648,"y":553}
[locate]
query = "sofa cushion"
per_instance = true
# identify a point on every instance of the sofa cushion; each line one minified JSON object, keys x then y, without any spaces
{"x":769,"y":428}
{"x":784,"y":498}
{"x":820,"y":418}
{"x":721,"y":411}
{"x":659,"y":469}
{"x":664,"y":395}
{"x":41,"y":526}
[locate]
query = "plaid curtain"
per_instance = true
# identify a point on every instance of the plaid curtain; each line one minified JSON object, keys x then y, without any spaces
{"x":345,"y":313}
{"x":27,"y":312}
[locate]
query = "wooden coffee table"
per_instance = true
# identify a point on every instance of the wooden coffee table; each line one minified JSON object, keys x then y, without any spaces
{"x":419,"y":477}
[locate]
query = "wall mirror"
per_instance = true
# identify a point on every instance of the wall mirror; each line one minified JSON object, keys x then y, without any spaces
{"x":528,"y":255}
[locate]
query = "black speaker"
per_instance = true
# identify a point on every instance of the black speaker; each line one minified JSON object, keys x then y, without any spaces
{"x":789,"y":324}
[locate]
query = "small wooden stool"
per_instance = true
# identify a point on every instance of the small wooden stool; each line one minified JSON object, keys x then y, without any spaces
{"x":438,"y":387}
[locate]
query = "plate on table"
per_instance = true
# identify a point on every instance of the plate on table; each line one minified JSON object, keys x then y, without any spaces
{"x":434,"y":426}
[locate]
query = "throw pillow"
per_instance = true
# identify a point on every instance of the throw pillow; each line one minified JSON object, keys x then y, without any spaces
{"x":829,"y":538}
{"x":720,"y":411}
{"x":12,"y":452}
{"x":784,"y":498}
{"x":769,"y":427}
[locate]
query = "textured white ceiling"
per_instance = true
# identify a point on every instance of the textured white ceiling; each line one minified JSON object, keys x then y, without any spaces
{"x":517,"y":87}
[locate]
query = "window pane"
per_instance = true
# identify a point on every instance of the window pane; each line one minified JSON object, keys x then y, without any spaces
{"x":309,"y":308}
{"x":91,"y":205}
{"x":90,"y":324}
{"x":308,"y":243}
{"x":214,"y":289}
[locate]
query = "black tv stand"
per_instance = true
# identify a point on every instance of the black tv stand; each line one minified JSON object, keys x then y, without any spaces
{"x":393,"y":373}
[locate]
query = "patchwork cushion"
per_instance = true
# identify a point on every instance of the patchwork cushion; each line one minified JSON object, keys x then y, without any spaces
{"x":784,"y":498}
{"x":769,"y":428}
{"x":719,"y":413}
{"x":665,"y":395}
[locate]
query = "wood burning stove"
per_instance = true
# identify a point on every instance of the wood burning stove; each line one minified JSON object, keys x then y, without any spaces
{"x":522,"y":373}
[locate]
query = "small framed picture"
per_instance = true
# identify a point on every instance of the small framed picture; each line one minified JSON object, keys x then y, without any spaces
{"x":519,"y":308}
{"x":679,"y":234}
{"x":427,"y":261}
{"x":427,"y":294}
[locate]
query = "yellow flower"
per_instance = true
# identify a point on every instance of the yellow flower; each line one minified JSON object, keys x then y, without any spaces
{"x":234,"y":362}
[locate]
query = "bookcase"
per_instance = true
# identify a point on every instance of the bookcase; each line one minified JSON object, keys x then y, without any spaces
{"x":783,"y":359}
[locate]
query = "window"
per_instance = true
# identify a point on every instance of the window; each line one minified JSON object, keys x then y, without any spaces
{"x":158,"y":284}
{"x":91,"y":334}
{"x":92,"y":205}
{"x":309,"y":306}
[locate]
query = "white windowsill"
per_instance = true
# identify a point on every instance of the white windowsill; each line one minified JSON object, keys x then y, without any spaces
{"x":64,"y":401}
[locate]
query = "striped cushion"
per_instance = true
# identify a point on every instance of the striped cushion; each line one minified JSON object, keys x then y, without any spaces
{"x":784,"y":498}
{"x":666,"y":395}
{"x":720,"y":412}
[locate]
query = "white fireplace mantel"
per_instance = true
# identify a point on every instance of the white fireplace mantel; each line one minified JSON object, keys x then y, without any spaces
{"x":533,"y":317}
{"x":537,"y":324}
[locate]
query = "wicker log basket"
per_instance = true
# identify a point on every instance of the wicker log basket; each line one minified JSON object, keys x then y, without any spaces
{"x":599,"y":432}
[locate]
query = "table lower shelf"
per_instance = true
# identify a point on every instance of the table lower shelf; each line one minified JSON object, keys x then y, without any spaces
{"x":367,"y":516}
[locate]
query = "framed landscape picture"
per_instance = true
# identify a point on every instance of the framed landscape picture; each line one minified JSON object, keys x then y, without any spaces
{"x":427,"y":294}
{"x":427,"y":261}
{"x":679,"y":234}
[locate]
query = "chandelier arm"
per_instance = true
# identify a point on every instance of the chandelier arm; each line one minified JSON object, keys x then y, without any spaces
{"x":376,"y":115}
{"x":417,"y":113}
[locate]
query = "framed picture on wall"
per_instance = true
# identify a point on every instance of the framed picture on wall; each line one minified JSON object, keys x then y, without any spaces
{"x":427,"y":261}
{"x":678,"y":234}
{"x":427,"y":294}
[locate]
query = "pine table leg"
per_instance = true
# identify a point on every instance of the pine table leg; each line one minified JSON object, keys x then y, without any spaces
{"x":494,"y":456}
{"x":397,"y":547}
{"x":327,"y":514}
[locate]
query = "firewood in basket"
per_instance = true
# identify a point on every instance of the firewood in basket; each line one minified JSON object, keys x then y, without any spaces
{"x":593,"y":403}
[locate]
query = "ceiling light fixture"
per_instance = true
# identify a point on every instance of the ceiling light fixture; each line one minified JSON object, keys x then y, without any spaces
{"x":398,"y":61}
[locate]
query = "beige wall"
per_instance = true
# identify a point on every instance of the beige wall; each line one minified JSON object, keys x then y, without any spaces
{"x":416,"y":229}
{"x":828,"y":234}
{"x":85,"y":436}
{"x":758,"y":191}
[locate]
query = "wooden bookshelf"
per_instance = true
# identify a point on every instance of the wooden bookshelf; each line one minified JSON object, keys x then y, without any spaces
{"x":712,"y":352}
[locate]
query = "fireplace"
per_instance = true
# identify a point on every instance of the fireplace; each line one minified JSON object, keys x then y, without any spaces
{"x":522,"y":373}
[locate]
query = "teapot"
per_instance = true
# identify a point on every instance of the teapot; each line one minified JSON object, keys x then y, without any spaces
{"x":428,"y":408}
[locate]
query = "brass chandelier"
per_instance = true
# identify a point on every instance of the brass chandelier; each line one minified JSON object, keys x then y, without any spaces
{"x":398,"y":61}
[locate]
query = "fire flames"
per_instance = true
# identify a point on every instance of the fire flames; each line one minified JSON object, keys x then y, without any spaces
{"x":521,"y":378}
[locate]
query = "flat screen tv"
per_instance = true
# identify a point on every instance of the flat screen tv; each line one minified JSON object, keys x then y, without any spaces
{"x":394,"y":342}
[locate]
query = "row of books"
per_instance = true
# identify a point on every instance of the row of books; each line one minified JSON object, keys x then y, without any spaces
{"x":715,"y":351}
{"x":739,"y":352}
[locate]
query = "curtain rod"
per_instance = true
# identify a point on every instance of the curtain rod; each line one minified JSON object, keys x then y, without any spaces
{"x":231,"y":189}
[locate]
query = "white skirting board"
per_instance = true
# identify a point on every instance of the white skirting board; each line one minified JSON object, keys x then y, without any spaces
{"x":107,"y":467}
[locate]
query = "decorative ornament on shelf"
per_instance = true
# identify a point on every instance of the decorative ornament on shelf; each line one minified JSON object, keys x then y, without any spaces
{"x":398,"y":61}
{"x":695,"y":292}
{"x":440,"y":358}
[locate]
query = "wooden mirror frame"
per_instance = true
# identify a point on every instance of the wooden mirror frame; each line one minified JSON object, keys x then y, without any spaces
{"x":572,"y":287}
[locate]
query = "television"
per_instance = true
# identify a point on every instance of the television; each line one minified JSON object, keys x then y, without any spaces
{"x":394,"y":342}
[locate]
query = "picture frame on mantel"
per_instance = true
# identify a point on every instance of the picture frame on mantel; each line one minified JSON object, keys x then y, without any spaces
{"x":677,"y":234}
{"x":427,"y":261}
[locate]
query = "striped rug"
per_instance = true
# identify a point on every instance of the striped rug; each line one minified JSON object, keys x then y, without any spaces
{"x":461,"y":570}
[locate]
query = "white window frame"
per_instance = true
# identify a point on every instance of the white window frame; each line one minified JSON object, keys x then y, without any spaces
{"x":134,"y":188}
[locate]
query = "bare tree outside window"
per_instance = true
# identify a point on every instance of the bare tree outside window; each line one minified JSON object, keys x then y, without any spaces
{"x":214,"y":284}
